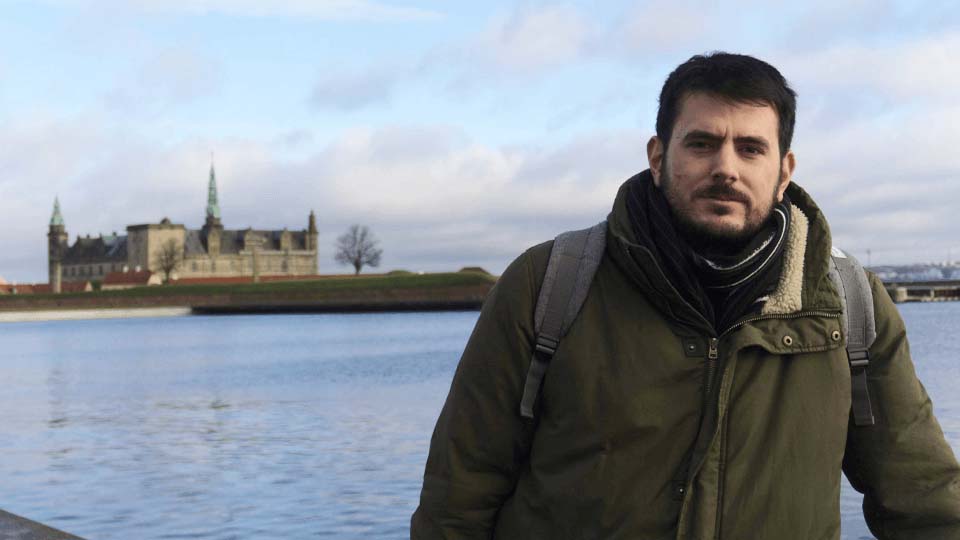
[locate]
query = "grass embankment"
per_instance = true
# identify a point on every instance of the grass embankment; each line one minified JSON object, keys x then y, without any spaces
{"x":400,"y":291}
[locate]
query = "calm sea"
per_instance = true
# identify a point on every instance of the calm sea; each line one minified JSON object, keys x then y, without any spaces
{"x":252,"y":427}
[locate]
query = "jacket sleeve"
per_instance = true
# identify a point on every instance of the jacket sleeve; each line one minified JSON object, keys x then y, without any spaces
{"x":903,"y":465}
{"x":480,"y":440}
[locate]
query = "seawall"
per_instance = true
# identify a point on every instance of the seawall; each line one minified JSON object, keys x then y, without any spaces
{"x":431,"y":292}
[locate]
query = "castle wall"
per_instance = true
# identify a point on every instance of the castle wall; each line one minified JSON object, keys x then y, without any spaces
{"x":137,"y":246}
{"x":269,"y":263}
{"x":93,"y":271}
{"x":145,"y":242}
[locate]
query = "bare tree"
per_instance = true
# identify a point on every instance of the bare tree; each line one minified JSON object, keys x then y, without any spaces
{"x":358,"y":247}
{"x":168,"y":258}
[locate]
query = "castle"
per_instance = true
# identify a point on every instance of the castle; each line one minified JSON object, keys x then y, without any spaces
{"x":211,"y":251}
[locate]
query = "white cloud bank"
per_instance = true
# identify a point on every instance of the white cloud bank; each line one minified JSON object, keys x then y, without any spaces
{"x":875,"y":141}
{"x":435,"y":198}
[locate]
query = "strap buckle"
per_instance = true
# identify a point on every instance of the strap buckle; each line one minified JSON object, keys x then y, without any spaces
{"x":546,"y":345}
{"x":859,"y":358}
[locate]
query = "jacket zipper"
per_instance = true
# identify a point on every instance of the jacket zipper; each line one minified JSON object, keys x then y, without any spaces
{"x":712,"y":355}
{"x":781,"y":316}
{"x":713,"y":350}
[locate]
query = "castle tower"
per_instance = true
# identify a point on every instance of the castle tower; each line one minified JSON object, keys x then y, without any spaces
{"x":56,"y":247}
{"x":213,"y":204}
{"x":312,"y":239}
{"x":211,"y":225}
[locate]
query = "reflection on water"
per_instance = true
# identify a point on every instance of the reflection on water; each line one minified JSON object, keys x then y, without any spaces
{"x":263,"y":426}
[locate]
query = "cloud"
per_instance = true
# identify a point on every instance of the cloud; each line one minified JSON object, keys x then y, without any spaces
{"x":883,"y":181}
{"x":530,"y":40}
{"x":436,"y":198}
{"x":352,"y":91}
{"x":172,"y":76}
{"x":336,"y":10}
{"x":293,"y":139}
{"x":875,"y":141}
{"x":527,"y":43}
{"x":921,"y":70}
{"x":654,"y":28}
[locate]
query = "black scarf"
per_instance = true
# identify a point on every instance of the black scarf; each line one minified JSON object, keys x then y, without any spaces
{"x":721,"y":286}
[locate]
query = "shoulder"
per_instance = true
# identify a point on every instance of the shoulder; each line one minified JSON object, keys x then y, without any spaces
{"x":524,"y":276}
{"x":886,"y":314}
{"x":511,"y":303}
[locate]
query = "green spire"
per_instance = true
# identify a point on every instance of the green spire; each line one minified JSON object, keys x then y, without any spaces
{"x":56,"y":218}
{"x":213,"y":206}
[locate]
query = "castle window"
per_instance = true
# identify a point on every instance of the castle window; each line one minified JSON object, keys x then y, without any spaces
{"x":283,"y":266}
{"x":100,"y":270}
{"x":193,"y":266}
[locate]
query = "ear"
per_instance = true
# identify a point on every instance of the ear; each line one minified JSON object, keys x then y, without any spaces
{"x":655,"y":158}
{"x":787,"y":164}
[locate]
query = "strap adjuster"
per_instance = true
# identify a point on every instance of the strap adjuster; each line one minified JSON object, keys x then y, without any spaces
{"x":859,"y":357}
{"x":546,"y":345}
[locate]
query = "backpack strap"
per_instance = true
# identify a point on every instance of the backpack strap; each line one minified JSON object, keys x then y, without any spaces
{"x":857,"y":299}
{"x":573,"y":262}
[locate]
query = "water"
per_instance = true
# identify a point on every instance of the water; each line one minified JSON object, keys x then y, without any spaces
{"x":265,"y":426}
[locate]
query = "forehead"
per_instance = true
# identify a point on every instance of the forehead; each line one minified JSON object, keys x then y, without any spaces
{"x":705,"y":112}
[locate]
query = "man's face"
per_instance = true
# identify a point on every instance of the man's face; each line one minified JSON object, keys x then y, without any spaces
{"x":722,"y":172}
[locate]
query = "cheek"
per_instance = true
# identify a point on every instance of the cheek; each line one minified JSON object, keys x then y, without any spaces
{"x":683,"y":183}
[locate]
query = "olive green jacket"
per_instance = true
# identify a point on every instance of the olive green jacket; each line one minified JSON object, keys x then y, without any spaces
{"x":652,"y":425}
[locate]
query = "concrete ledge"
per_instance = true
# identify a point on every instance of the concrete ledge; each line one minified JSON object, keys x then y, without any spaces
{"x":13,"y":527}
{"x":79,"y":314}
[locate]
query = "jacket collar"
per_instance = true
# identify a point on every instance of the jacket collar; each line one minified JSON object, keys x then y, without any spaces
{"x":804,"y":283}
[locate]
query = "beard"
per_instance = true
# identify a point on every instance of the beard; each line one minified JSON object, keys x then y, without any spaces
{"x":704,"y":236}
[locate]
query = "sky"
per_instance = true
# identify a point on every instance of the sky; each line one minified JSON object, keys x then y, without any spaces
{"x":461,"y":133}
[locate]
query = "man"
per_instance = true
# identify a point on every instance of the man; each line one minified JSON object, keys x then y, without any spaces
{"x":703,"y":391}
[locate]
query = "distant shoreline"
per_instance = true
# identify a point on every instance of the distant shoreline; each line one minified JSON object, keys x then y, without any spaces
{"x":456,"y":291}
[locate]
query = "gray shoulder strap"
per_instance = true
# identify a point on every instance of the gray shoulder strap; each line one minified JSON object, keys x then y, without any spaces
{"x":857,"y":298}
{"x":573,"y":262}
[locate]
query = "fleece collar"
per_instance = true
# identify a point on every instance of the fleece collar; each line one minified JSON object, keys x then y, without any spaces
{"x":788,"y":296}
{"x":805,"y":283}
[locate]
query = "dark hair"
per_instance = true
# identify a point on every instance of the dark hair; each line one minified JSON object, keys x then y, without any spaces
{"x":736,"y":77}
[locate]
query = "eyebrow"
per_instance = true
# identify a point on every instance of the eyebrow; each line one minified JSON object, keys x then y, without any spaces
{"x":699,"y":134}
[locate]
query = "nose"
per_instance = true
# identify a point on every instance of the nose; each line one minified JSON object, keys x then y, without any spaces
{"x":724,"y":164}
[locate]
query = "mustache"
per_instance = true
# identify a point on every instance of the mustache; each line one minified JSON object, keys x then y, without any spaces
{"x":720,"y":191}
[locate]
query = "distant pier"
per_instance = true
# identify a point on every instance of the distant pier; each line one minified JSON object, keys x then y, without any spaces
{"x":923,"y":291}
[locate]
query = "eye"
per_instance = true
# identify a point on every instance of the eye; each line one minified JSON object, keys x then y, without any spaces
{"x":699,"y":145}
{"x":752,"y":150}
